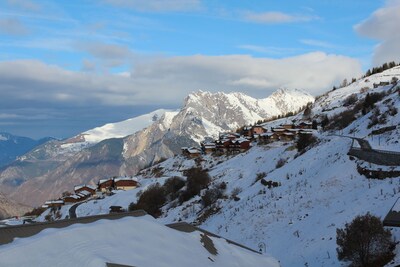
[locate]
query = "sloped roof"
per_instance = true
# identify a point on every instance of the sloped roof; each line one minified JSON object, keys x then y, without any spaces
{"x":393,"y":216}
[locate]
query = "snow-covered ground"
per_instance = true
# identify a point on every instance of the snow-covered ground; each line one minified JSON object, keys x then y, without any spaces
{"x":139,"y":241}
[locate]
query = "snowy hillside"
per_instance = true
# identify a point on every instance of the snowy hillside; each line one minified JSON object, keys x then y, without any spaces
{"x":316,"y":192}
{"x":139,"y":241}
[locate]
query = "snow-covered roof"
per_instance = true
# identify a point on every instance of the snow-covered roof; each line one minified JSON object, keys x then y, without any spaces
{"x":104,"y":180}
{"x":267,"y":134}
{"x":78,"y":187}
{"x":125,"y":179}
{"x":241,"y":140}
{"x":289,"y":134}
{"x":193,"y":150}
{"x":396,"y":206}
{"x":279,"y":129}
{"x":85,"y":193}
{"x":49,"y":202}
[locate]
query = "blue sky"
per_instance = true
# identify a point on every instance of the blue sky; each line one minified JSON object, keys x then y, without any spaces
{"x":67,"y":66}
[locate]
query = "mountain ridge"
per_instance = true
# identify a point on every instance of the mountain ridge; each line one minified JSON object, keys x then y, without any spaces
{"x":67,"y":162}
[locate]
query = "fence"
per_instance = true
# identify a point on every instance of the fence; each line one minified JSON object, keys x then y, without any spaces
{"x":379,"y":157}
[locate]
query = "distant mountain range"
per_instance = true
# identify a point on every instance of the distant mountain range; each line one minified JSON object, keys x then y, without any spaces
{"x":124,"y":148}
{"x":12,"y":146}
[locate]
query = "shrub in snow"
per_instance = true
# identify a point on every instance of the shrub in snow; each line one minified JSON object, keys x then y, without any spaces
{"x":304,"y":141}
{"x":197,"y":179}
{"x":172,"y":187}
{"x":280,"y":163}
{"x":211,"y":196}
{"x":236,"y":191}
{"x":260,"y":175}
{"x":342,"y":120}
{"x":150,"y":200}
{"x":350,"y":100}
{"x":270,"y":184}
{"x":370,"y":100}
{"x":364,"y":242}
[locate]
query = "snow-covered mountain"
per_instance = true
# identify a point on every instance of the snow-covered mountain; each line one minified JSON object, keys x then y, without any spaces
{"x":317,"y":190}
{"x":56,"y":166}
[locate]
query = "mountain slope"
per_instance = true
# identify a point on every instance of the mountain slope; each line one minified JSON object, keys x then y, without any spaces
{"x":318,"y":190}
{"x":203,"y":115}
{"x":9,"y":208}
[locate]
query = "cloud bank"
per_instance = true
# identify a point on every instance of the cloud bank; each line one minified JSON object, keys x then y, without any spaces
{"x":166,"y":81}
{"x":383,"y":25}
{"x":50,"y":100}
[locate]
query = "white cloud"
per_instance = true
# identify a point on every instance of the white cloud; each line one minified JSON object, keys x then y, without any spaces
{"x":53,"y":96}
{"x":383,"y":25}
{"x":13,"y":26}
{"x":274,"y":17}
{"x":157,"y":5}
{"x":166,"y":81}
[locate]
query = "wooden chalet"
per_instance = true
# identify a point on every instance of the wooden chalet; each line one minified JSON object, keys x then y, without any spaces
{"x":84,"y":195}
{"x":268,"y":137}
{"x":223,"y":145}
{"x":105,"y":185}
{"x":304,"y":125}
{"x":278,"y":131}
{"x":246,"y":131}
{"x":54,"y":203}
{"x":71,"y":199}
{"x":208,"y":147}
{"x":125,"y":183}
{"x":229,"y":136}
{"x":241,"y":144}
{"x":89,"y":188}
{"x":287,"y":136}
{"x":191,"y":152}
{"x":288,"y":126}
{"x":257,"y":130}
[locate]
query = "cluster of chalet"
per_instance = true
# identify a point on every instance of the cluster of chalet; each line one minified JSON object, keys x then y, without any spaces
{"x":227,"y":142}
{"x":240,"y":142}
{"x":285,"y":132}
{"x":84,"y":192}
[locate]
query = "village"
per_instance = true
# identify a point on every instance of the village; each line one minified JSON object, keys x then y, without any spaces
{"x":85,"y":192}
{"x":241,"y":141}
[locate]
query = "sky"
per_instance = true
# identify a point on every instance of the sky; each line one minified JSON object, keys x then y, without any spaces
{"x":68,"y":66}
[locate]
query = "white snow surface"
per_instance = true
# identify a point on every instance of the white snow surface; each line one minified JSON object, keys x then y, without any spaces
{"x":123,"y":128}
{"x":139,"y":241}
